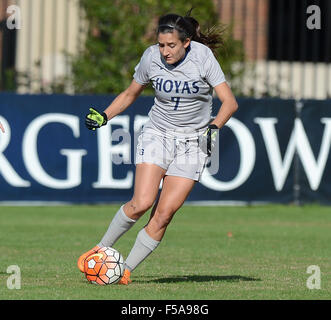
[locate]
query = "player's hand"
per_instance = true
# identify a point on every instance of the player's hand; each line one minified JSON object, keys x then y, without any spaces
{"x":208,"y":138}
{"x":95,"y":119}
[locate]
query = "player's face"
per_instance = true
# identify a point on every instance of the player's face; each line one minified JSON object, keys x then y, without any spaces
{"x":171,"y":47}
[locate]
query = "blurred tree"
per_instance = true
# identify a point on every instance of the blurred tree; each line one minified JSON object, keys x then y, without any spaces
{"x":120,"y":31}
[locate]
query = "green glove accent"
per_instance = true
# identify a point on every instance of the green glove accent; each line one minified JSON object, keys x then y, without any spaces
{"x":96,"y":116}
{"x":208,"y":139}
{"x":209,"y":132}
{"x":95,"y":119}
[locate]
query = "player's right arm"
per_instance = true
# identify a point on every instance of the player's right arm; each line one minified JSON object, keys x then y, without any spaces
{"x":124,"y":99}
{"x":96,"y":119}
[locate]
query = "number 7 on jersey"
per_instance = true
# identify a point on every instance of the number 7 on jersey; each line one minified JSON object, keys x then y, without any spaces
{"x":176,"y":100}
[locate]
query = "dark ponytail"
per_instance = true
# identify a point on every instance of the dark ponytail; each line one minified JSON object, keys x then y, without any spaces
{"x":212,"y":38}
{"x":189,"y":27}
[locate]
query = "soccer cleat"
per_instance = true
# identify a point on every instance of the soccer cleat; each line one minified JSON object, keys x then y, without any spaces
{"x":81,"y":259}
{"x":126,"y":278}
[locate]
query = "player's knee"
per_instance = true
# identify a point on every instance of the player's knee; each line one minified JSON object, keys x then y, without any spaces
{"x":141,"y":205}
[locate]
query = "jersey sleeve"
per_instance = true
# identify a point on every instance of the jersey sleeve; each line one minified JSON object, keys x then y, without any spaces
{"x":142,"y":74}
{"x":213,"y":71}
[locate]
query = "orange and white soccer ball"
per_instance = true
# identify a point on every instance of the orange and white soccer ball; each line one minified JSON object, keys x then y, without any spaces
{"x":104,"y":267}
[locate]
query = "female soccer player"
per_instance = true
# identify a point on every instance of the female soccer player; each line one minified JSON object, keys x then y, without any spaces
{"x":176,"y":142}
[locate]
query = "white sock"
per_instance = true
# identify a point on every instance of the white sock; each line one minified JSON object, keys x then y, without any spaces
{"x":142,"y":248}
{"x":118,"y":226}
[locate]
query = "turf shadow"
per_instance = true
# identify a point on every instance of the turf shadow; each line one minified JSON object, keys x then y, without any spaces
{"x":201,"y":278}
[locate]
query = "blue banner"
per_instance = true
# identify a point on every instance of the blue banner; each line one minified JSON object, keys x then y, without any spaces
{"x":271,"y":150}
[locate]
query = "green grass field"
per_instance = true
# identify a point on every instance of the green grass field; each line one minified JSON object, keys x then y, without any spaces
{"x":214,"y":253}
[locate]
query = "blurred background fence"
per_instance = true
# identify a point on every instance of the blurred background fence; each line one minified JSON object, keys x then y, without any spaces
{"x":284,"y":56}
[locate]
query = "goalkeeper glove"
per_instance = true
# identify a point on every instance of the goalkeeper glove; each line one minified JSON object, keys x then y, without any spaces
{"x":208,"y":138}
{"x":95,"y":119}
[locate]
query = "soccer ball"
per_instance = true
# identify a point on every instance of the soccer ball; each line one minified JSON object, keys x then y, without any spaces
{"x":104,"y":267}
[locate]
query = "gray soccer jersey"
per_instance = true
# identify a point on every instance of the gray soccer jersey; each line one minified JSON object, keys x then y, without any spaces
{"x":183,"y":93}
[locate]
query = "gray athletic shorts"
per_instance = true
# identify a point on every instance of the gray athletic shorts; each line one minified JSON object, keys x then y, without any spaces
{"x":178,"y":153}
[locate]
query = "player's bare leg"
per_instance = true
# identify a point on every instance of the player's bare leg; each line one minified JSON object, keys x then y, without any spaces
{"x":146,"y":188}
{"x":143,"y":198}
{"x":174,"y":192}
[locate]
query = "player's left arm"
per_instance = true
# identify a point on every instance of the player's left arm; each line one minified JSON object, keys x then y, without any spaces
{"x":229,"y":104}
{"x":228,"y":108}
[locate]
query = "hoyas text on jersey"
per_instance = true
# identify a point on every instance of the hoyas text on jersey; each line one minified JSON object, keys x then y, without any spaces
{"x":175,"y":86}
